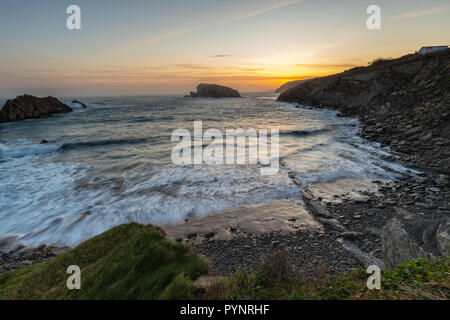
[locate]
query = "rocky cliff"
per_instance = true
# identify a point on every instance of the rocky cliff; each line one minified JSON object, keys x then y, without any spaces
{"x":404,"y":103}
{"x":289,"y":85}
{"x":30,"y":107}
{"x":214,"y":91}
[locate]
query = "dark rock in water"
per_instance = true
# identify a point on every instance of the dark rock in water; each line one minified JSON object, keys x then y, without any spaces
{"x":30,"y":107}
{"x":214,"y":91}
{"x":83,"y":105}
{"x":44,"y":141}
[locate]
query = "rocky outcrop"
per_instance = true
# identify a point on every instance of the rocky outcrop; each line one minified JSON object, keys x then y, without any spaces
{"x":214,"y":91}
{"x":408,"y":236}
{"x":30,"y":107}
{"x":404,"y":103}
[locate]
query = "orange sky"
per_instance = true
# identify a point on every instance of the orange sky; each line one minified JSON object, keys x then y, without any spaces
{"x":169,"y":47}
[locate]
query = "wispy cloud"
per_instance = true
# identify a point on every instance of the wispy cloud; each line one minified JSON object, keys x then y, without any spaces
{"x":165,"y":36}
{"x":221,"y":56}
{"x":420,"y":13}
{"x":325,"y":65}
{"x":267,"y":9}
{"x":178,"y":33}
{"x":191,"y":66}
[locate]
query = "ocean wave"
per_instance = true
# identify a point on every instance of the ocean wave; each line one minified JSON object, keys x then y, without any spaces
{"x":304,"y":133}
{"x":26,"y":149}
{"x":100,"y":143}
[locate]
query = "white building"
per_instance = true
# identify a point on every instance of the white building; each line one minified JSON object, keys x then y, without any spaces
{"x":427,"y":50}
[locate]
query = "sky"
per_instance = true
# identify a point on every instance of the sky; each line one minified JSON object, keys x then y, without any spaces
{"x":139,"y":47}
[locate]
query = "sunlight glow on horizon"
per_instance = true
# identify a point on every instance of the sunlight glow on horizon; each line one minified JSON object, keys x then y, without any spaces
{"x":152,"y":47}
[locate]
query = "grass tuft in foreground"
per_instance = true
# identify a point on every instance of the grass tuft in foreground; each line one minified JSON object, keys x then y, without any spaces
{"x":130,"y":261}
{"x":417,"y":279}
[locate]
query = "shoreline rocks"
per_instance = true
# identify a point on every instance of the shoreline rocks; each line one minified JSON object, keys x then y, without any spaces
{"x":214,"y":91}
{"x":31,"y":107}
{"x":16,"y":255}
{"x":403,"y":103}
{"x":363,"y":239}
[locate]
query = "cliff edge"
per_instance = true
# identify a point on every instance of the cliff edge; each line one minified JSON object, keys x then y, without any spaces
{"x":404,"y":103}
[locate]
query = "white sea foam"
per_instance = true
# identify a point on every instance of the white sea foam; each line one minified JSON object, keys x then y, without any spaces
{"x":24,"y":147}
{"x":50,"y":193}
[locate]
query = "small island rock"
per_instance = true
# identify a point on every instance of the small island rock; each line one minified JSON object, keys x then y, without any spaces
{"x":31,"y":107}
{"x":214,"y":91}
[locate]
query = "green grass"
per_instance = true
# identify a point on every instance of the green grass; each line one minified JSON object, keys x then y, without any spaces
{"x":130,"y":261}
{"x":417,"y":279}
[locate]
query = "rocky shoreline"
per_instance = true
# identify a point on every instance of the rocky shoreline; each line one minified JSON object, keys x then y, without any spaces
{"x":355,"y":238}
{"x":356,"y":232}
{"x":403,"y":103}
{"x":15,"y":255}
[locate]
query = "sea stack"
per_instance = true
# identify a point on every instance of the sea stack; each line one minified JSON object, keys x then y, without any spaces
{"x":205,"y":90}
{"x":31,"y":107}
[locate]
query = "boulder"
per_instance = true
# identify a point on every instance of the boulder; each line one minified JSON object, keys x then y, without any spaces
{"x":408,"y":236}
{"x":30,"y":107}
{"x":214,"y":91}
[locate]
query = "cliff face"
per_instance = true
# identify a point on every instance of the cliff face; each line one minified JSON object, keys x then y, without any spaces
{"x":289,"y":85}
{"x":30,"y":107}
{"x":403,"y":102}
{"x":214,"y":91}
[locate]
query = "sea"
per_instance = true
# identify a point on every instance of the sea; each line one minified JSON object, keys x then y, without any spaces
{"x":110,"y":163}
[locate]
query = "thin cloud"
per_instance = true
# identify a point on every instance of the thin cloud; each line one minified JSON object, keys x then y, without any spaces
{"x":264,"y":10}
{"x":420,"y":13}
{"x":221,"y":56}
{"x":191,"y":66}
{"x":178,"y":33}
{"x":165,"y":36}
{"x":324,"y":65}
